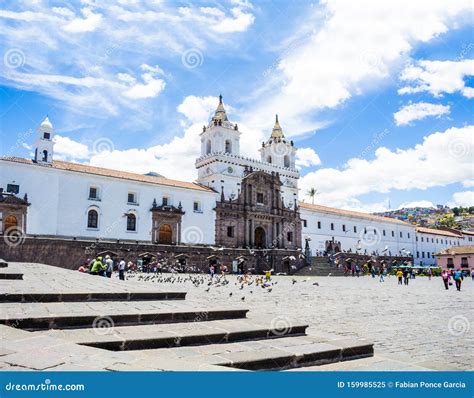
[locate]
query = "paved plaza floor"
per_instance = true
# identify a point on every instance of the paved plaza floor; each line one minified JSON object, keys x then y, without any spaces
{"x":419,"y":326}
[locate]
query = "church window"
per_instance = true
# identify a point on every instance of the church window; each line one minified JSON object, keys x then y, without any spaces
{"x":401,"y":234}
{"x":319,"y":224}
{"x":132,"y":198}
{"x":45,"y":156}
{"x":197,"y":207}
{"x":228,"y":146}
{"x":260,"y":198}
{"x":286,"y":161}
{"x":230,"y":232}
{"x":383,"y":232}
{"x":332,"y":226}
{"x":92,"y":219}
{"x":131,"y":222}
{"x":165,"y":201}
{"x":305,"y":223}
{"x":208,"y":147}
{"x":46,"y":136}
{"x":94,"y":193}
{"x":355,"y":229}
{"x":13,"y":188}
{"x":269,"y":159}
{"x":289,"y":236}
{"x":343,"y":227}
{"x":393,"y":234}
{"x":408,"y":235}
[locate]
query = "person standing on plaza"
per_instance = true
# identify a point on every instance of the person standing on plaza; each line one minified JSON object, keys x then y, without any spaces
{"x":445,"y":277}
{"x":97,"y":265}
{"x":406,"y":276}
{"x":121,"y":269}
{"x":457,"y":276}
{"x":357,"y":268}
{"x":430,"y":273}
{"x":400,"y":276}
{"x":109,"y":263}
{"x":382,"y":274}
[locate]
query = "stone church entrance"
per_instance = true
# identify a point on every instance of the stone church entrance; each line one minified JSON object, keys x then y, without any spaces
{"x":260,"y":237}
{"x":165,"y":234}
{"x":10,"y":223}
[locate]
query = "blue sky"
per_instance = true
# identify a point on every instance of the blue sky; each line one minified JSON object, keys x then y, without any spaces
{"x":376,"y":95}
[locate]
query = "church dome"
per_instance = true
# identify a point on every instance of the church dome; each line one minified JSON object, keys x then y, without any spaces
{"x":46,"y":123}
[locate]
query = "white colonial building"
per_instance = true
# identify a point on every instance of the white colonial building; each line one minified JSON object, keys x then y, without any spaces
{"x":64,"y":199}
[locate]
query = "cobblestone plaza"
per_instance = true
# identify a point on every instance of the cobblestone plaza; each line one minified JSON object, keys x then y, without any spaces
{"x":416,"y":327}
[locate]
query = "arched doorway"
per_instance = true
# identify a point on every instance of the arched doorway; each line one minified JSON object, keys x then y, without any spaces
{"x":260,"y":237}
{"x":10,"y":223}
{"x":165,"y":234}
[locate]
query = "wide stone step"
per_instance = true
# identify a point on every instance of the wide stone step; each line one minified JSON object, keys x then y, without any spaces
{"x":81,"y":297}
{"x":177,"y":335}
{"x":11,"y":275}
{"x":104,"y":320}
{"x":297,"y":356}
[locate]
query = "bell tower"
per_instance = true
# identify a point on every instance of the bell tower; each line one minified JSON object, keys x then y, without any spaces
{"x":44,"y":145}
{"x":220,"y":150}
{"x":220,"y":136}
{"x":278,"y":150}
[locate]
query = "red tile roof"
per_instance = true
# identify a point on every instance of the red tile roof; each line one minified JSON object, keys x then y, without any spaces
{"x":86,"y":169}
{"x":456,"y":250}
{"x":350,"y":213}
{"x":433,"y":231}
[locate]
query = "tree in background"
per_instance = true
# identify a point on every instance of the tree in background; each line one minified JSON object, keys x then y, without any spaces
{"x":312,"y":192}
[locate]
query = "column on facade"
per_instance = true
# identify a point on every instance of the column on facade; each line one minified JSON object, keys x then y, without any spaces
{"x":179,"y":233}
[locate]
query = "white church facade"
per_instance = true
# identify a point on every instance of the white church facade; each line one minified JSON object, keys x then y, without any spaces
{"x":235,"y":201}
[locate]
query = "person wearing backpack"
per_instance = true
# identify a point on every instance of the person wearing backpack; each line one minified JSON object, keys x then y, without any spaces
{"x":457,"y":276}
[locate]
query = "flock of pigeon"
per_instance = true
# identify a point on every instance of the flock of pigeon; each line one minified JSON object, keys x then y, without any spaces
{"x":242,"y":284}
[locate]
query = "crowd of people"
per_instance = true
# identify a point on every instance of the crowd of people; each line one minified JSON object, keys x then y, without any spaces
{"x":105,"y":267}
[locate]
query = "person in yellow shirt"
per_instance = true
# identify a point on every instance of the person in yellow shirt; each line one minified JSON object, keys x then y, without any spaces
{"x":400,"y":276}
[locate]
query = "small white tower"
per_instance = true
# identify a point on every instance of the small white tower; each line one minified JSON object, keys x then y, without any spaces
{"x":44,"y":143}
{"x":220,"y":136}
{"x":278,"y":150}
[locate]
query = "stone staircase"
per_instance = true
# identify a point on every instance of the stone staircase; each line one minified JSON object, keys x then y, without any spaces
{"x":320,"y":266}
{"x":8,"y":274}
{"x":150,"y":330}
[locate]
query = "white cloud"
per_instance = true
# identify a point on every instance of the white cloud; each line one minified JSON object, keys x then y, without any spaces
{"x":306,"y":157}
{"x":66,"y":148}
{"x":151,"y":87}
{"x":198,"y":109}
{"x":80,"y":25}
{"x":442,"y":158}
{"x":239,"y":23}
{"x":94,"y":59}
{"x":418,"y":203}
{"x":438,"y":77}
{"x":359,"y":45}
{"x":464,"y":199}
{"x":418,"y":111}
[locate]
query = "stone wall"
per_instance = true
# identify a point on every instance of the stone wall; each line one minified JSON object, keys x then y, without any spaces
{"x":69,"y":253}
